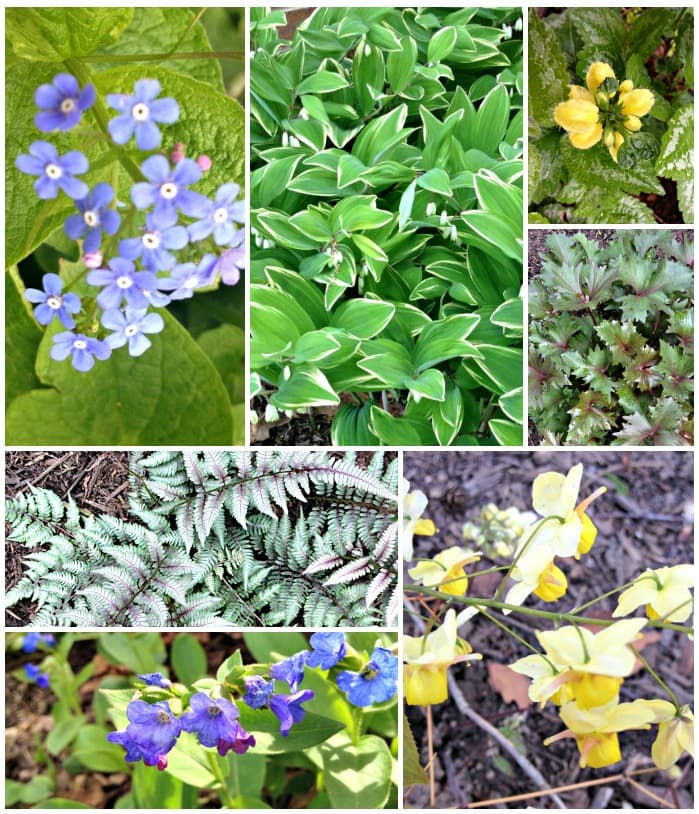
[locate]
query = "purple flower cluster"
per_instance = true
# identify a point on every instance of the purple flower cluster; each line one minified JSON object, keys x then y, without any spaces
{"x":131,"y":248}
{"x":153,"y":729}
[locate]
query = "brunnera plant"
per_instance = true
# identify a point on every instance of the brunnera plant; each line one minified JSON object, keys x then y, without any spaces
{"x":124,"y":162}
{"x":611,"y":340}
{"x":611,"y":116}
{"x":387,"y":212}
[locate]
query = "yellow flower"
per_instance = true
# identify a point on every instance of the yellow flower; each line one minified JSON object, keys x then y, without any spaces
{"x":427,"y":659}
{"x":414,"y":504}
{"x":675,"y":733}
{"x":445,"y":570}
{"x":605,"y":110}
{"x":595,"y":730}
{"x":665,"y":592}
{"x":590,"y":666}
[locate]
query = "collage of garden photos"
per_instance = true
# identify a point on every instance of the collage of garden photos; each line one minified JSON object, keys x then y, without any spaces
{"x":349,"y":407}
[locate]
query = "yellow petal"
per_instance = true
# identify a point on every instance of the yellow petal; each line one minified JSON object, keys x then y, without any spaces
{"x":614,"y":149}
{"x":552,"y":584}
{"x":599,"y":750}
{"x":579,"y":92}
{"x":588,"y":536}
{"x":576,"y":115}
{"x":626,"y":86}
{"x":583,"y":141}
{"x":425,"y":684}
{"x":425,"y":527}
{"x":636,"y":102}
{"x":596,"y":74}
{"x":595,"y":690}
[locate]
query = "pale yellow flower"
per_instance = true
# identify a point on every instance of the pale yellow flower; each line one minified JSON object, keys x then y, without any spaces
{"x":445,"y":570}
{"x":414,"y":504}
{"x":675,"y":733}
{"x":664,"y":591}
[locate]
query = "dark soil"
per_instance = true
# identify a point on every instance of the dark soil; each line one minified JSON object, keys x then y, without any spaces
{"x":311,"y":429}
{"x":644,"y":520}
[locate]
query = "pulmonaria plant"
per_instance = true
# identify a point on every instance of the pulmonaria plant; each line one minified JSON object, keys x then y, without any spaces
{"x":160,"y":710}
{"x":142,"y":248}
{"x":611,"y":340}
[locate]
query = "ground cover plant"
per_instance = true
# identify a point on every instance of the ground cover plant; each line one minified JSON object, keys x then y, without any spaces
{"x":124,"y":228}
{"x":159,"y":721}
{"x":611,"y":339}
{"x":226,"y":538}
{"x":386,"y":199}
{"x":611,"y":109}
{"x":550,"y":660}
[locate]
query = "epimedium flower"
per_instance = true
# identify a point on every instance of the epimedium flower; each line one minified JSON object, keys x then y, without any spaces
{"x":414,"y":504}
{"x":55,"y":172}
{"x":153,"y":244}
{"x":82,"y":349}
{"x":605,"y":110}
{"x":62,"y":103}
{"x":224,"y":212}
{"x":120,"y":281}
{"x":140,"y":113}
{"x":152,"y":732}
{"x":52,"y":302}
{"x":289,"y":710}
{"x":130,"y":327}
{"x":427,"y":659}
{"x":596,"y":730}
{"x":328,"y":650}
{"x":290,"y":670}
{"x":375,"y":683}
{"x":675,"y":732}
{"x":96,"y":216}
{"x":166,"y":190}
{"x":591,"y":666}
{"x":215,"y":723}
{"x":535,"y":573}
{"x":445,"y":570}
{"x":665,"y":592}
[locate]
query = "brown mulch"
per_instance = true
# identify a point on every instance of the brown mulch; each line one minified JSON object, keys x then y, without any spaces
{"x":644,"y":520}
{"x":97,"y":481}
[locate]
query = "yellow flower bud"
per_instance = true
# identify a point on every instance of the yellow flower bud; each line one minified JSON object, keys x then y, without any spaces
{"x":636,"y":102}
{"x":626,"y":86}
{"x":596,"y":74}
{"x":552,"y":584}
{"x":632,"y":124}
{"x":614,"y":150}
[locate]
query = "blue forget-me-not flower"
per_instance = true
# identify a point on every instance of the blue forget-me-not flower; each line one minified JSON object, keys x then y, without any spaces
{"x":51,"y":302}
{"x":83,"y":350}
{"x":140,"y":113}
{"x":62,"y":103}
{"x":95,"y":217}
{"x":55,"y":172}
{"x":130,"y":327}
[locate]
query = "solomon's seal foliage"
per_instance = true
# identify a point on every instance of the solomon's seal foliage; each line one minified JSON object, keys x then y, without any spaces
{"x":219,"y":538}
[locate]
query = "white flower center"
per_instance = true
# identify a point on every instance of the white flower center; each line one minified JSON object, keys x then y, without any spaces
{"x":151,"y":240}
{"x":220,"y":215}
{"x":92,"y":217}
{"x":80,"y":344}
{"x":67,"y":106}
{"x":168,"y":190}
{"x":54,"y":302}
{"x":53,"y":171}
{"x":131,"y":330}
{"x":191,"y":281}
{"x":140,"y":112}
{"x":124,"y":281}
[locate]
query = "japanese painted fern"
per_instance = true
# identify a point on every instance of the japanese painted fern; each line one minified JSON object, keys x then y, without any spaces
{"x":219,"y":538}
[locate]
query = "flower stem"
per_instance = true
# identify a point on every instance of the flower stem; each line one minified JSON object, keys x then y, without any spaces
{"x":536,"y":530}
{"x":644,"y":662}
{"x":356,"y":725}
{"x":216,"y":769}
{"x":602,"y":596}
{"x":519,"y":638}
{"x":165,"y":56}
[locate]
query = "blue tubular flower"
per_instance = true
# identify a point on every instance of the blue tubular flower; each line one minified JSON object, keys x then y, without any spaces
{"x":288,"y":709}
{"x":153,"y":244}
{"x":34,"y":673}
{"x":130,"y":327}
{"x":216,"y":724}
{"x":375,"y":684}
{"x":95,"y":217}
{"x":290,"y":670}
{"x":328,"y":649}
{"x":222,"y":215}
{"x":139,"y":114}
{"x":167,"y":191}
{"x":52,"y":303}
{"x":258,"y":691}
{"x":122,"y":281}
{"x":62,"y":103}
{"x":155,"y":680}
{"x":152,"y":732}
{"x":54,"y":171}
{"x":83,"y":349}
{"x":30,"y":642}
